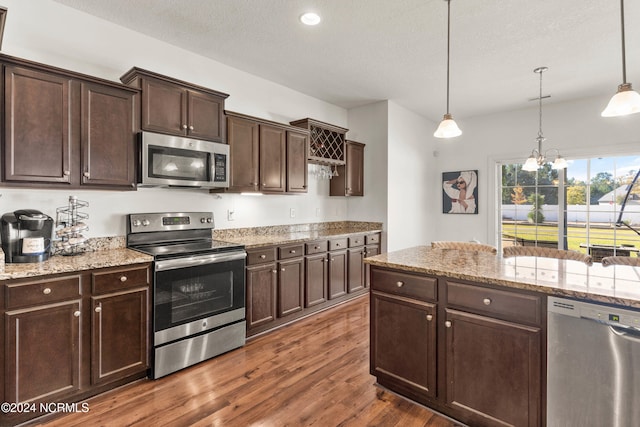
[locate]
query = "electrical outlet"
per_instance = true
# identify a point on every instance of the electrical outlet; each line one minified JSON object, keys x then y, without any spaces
{"x":292,"y":212}
{"x":231,"y":215}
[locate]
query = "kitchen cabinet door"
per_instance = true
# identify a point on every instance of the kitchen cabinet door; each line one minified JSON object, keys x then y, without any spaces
{"x":43,"y":353}
{"x":244,"y":165}
{"x":403,"y":344}
{"x":316,"y":280}
{"x":337,"y":274}
{"x":261,"y":294}
{"x":493,"y":370}
{"x":205,"y":116}
{"x":355,"y":272}
{"x":39,"y":130}
{"x":119,"y":335}
{"x":108,"y":136}
{"x":164,"y":107}
{"x":273,"y":156}
{"x":290,"y":286}
{"x":297,"y":163}
{"x":350,"y":179}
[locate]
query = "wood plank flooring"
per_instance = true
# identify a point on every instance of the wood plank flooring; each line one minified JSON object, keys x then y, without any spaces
{"x":314,"y":372}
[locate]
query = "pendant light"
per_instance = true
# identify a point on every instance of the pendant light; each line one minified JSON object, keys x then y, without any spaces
{"x":448,"y":127}
{"x":537,"y":157}
{"x":626,"y":101}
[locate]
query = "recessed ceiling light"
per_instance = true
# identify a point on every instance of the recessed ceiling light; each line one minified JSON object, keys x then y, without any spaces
{"x":310,"y":18}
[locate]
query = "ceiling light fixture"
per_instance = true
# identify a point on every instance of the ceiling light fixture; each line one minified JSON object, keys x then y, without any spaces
{"x":538,"y":158}
{"x":626,"y":101}
{"x":310,"y":18}
{"x":448,"y":127}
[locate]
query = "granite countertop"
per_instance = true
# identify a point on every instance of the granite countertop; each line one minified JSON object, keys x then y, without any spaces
{"x":253,"y":238}
{"x":68,"y":264}
{"x":616,"y":284}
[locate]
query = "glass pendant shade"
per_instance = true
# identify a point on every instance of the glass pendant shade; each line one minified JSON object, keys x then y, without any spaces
{"x":625,"y":102}
{"x":531,"y":165}
{"x":448,"y":128}
{"x":559,"y":163}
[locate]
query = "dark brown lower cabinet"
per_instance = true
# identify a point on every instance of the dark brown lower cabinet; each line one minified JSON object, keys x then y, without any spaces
{"x":403,"y":343}
{"x":481,"y":362}
{"x":42,"y":352}
{"x":355,"y":272}
{"x":290,"y":286}
{"x":261,"y":294}
{"x":119,"y":335}
{"x":316,"y":279}
{"x":493,"y":370}
{"x":71,"y":336}
{"x":337,"y":274}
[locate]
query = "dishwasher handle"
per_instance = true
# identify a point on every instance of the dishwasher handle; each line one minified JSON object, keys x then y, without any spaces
{"x":631,"y":334}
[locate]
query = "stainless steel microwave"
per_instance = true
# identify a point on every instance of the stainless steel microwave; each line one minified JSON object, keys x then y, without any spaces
{"x":173,"y":161}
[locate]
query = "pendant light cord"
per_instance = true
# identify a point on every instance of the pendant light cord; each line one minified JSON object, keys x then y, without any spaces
{"x":624,"y":59}
{"x":540,"y":108}
{"x":448,"y":47}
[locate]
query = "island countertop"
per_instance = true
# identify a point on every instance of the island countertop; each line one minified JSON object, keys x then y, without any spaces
{"x":619,"y":285}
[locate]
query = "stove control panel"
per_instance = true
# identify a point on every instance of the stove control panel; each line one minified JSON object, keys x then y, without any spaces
{"x":169,"y":221}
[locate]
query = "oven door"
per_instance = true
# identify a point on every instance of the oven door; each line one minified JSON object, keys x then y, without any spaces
{"x":198,"y":293}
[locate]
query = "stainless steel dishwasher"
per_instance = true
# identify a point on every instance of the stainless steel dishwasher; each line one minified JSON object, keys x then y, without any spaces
{"x":593,"y":359}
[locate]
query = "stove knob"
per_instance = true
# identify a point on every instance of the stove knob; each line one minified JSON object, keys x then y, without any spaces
{"x":145,"y":222}
{"x":136,"y":223}
{"x":203,"y":220}
{"x":209,"y":220}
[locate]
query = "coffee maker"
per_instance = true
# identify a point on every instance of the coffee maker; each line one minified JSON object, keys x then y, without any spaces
{"x":26,"y":236}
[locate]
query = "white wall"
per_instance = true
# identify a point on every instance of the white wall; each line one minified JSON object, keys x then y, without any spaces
{"x":47,"y":32}
{"x":575,"y":128}
{"x":411,"y":220}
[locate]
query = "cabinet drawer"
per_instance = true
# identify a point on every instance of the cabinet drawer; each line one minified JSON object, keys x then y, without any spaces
{"x":337,"y":244}
{"x":260,"y":256}
{"x":291,"y":251}
{"x":42,"y":292}
{"x":356,"y":241}
{"x":317,"y":247}
{"x":372,"y":238}
{"x":506,"y":305}
{"x":409,"y":285}
{"x":108,"y":281}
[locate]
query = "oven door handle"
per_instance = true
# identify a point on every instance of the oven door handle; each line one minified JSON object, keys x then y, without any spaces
{"x":195,"y":261}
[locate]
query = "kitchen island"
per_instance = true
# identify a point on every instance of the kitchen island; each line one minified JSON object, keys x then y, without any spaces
{"x":465,"y":332}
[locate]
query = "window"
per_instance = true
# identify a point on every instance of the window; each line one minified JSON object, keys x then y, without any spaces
{"x":577,"y":208}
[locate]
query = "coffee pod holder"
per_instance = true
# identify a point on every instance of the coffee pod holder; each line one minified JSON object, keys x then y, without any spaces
{"x":72,"y":223}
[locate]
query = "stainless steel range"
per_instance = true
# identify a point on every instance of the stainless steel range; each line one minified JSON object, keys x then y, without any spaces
{"x":198,"y":288}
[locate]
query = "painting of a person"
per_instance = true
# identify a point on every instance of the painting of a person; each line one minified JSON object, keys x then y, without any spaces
{"x":461,"y":191}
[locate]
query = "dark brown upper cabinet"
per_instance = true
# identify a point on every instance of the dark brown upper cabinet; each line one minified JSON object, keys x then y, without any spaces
{"x":176,"y":107}
{"x":266,"y":156}
{"x":350,"y":179}
{"x":66,"y":129}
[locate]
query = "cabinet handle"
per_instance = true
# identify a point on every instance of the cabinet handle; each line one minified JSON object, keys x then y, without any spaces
{"x":46,"y":291}
{"x":190,"y":127}
{"x":87,"y":175}
{"x":429,"y":317}
{"x":76,"y":314}
{"x":292,"y":251}
{"x":184,"y":126}
{"x":98,"y":309}
{"x":486,"y":301}
{"x":282,"y":269}
{"x":123,"y":278}
{"x":263,"y":256}
{"x":316,"y":247}
{"x":337,"y":245}
{"x":399,"y":284}
{"x":274,"y":271}
{"x":66,"y":173}
{"x":447,"y":323}
{"x":333,"y":259}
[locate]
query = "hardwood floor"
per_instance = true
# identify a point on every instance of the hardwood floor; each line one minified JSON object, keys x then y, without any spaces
{"x":312,"y":373}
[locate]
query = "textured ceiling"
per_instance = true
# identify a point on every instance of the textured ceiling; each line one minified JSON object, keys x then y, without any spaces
{"x":369,"y":50}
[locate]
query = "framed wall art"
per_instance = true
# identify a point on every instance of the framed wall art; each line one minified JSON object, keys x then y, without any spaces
{"x":460,"y":192}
